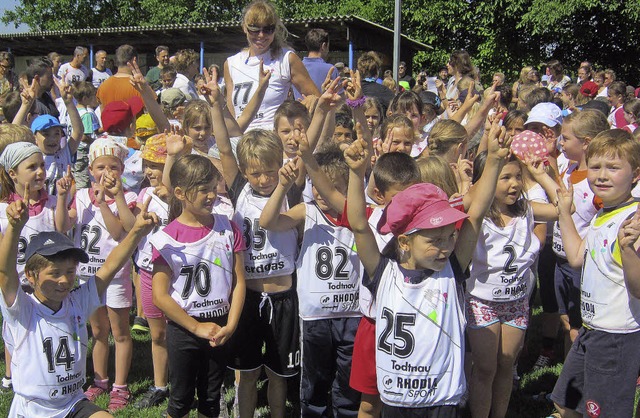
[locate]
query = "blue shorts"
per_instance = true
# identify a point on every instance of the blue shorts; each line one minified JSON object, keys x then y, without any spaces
{"x":599,"y":375}
{"x":567,"y":286}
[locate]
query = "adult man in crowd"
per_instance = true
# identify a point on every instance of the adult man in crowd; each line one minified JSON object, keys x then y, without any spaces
{"x":153,"y":75}
{"x":118,"y":86}
{"x":369,"y":65}
{"x":404,"y":79}
{"x":75,"y":70}
{"x":100,"y":72}
{"x":317,"y":42}
{"x":41,"y":71}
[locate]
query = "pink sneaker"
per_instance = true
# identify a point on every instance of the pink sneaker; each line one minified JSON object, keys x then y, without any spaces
{"x":93,"y":392}
{"x":118,"y":399}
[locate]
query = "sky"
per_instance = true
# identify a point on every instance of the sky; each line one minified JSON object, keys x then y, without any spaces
{"x":10,"y":5}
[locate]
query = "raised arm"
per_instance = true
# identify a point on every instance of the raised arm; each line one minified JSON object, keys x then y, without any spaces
{"x":327,"y":102}
{"x":140,"y":83}
{"x":271,"y":217}
{"x":77,"y":128}
{"x":476,"y":122}
{"x":319,"y":179}
{"x":113,"y":184}
{"x":177,"y":146}
{"x":354,"y":93}
{"x":357,"y":157}
{"x":498,"y":151}
{"x":574,"y":245}
{"x":111,"y":221}
{"x":228,"y":87}
{"x":17,"y":215}
{"x":300,"y":77}
{"x":27,"y":98}
{"x":229,"y":163}
{"x":249,"y":112}
{"x":63,"y":216}
{"x":468,"y":103}
{"x":628,"y":235}
{"x":143,"y":225}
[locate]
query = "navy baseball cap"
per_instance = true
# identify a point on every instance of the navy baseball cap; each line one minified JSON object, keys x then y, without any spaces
{"x":50,"y":243}
{"x":43,"y":122}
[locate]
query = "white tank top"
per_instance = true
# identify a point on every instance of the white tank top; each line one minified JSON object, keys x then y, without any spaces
{"x":244,"y":73}
{"x":419,"y":340}
{"x":202,"y":270}
{"x":367,"y":304}
{"x":585,"y":210}
{"x":605,"y":302}
{"x":221,"y":206}
{"x":328,"y":269}
{"x":91,"y":235}
{"x":44,"y":221}
{"x":160,"y":208}
{"x":502,"y":260}
{"x":268,"y":253}
{"x":55,"y":166}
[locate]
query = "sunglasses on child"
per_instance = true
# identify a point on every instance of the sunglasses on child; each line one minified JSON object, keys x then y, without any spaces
{"x":267,"y":30}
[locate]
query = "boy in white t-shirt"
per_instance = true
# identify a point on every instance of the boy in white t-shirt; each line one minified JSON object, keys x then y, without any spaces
{"x":49,"y":328}
{"x":85,"y":94}
{"x":599,"y":375}
{"x":58,"y":154}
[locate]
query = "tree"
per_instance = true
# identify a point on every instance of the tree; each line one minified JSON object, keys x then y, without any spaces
{"x":44,"y":15}
{"x":500,"y":35}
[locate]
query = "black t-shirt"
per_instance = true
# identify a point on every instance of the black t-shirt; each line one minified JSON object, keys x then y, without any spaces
{"x":380,"y":92}
{"x":46,"y":106}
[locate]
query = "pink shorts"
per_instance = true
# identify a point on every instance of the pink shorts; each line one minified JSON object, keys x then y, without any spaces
{"x":146,"y":297}
{"x":482,"y":313}
{"x":363,"y":363}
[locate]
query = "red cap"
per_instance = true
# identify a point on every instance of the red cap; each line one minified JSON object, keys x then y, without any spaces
{"x":136,"y":104}
{"x":421,"y":206}
{"x":589,"y":89}
{"x":116,"y":117}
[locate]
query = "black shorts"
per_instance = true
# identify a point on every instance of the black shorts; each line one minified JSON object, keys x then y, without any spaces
{"x":546,"y":274}
{"x":195,"y":365}
{"x":444,"y":411}
{"x":84,"y":409}
{"x":567,"y":286}
{"x":599,"y":374}
{"x":268,"y":320}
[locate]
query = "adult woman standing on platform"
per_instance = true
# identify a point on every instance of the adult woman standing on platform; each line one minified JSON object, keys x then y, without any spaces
{"x":267,"y":51}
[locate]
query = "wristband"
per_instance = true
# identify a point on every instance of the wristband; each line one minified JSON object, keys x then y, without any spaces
{"x":354,"y":104}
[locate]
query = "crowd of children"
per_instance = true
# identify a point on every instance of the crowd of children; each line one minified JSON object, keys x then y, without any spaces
{"x":387,"y":253}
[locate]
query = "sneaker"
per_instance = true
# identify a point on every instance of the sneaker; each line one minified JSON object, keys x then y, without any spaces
{"x":118,"y":399}
{"x":6,"y":386}
{"x":140,"y":324}
{"x":152,"y":397}
{"x":545,"y":359}
{"x":93,"y":392}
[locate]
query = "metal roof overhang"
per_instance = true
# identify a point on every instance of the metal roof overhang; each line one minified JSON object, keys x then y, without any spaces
{"x":216,"y":37}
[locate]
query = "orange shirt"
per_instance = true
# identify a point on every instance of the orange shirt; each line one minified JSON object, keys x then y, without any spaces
{"x":115,"y":89}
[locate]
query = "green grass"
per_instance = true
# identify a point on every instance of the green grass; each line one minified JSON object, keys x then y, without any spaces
{"x":522,"y":404}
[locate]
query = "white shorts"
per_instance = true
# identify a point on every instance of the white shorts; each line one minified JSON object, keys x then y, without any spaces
{"x":119,"y":293}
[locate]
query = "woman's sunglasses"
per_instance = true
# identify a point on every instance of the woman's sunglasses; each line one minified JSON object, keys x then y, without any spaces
{"x":267,"y":30}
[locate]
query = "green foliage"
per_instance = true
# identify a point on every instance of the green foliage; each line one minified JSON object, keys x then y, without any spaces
{"x":500,"y":35}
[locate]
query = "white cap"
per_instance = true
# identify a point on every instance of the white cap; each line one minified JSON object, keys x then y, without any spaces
{"x":546,"y":113}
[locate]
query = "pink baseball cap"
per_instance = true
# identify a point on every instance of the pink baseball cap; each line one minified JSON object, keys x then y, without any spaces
{"x":421,"y":206}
